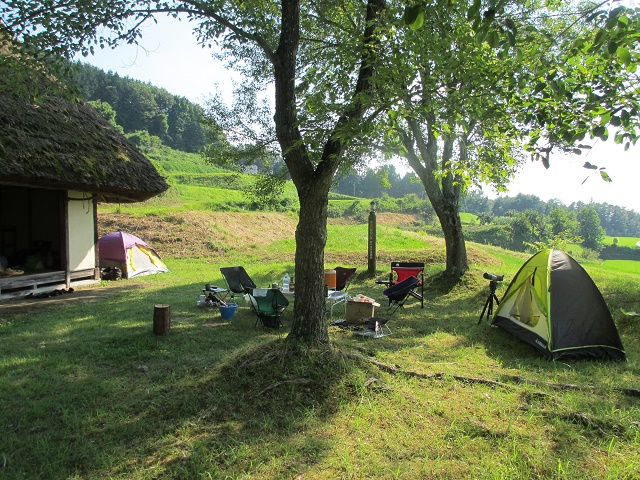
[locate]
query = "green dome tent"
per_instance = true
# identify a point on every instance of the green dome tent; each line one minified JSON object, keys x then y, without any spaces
{"x":553,"y":304}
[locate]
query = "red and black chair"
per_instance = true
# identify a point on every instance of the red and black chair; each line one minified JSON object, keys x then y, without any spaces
{"x":399,"y":293}
{"x":401,"y":271}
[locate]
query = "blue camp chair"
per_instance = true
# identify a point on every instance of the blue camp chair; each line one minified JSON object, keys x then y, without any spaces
{"x":268,"y":304}
{"x":398,"y":293}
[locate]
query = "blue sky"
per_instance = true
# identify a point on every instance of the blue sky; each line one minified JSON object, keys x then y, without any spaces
{"x":169,"y":57}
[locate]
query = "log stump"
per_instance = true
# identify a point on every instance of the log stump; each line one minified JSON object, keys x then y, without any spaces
{"x":161,"y":319}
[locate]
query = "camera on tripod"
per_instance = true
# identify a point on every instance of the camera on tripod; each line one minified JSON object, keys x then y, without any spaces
{"x":492,"y":277}
{"x":493,"y":285}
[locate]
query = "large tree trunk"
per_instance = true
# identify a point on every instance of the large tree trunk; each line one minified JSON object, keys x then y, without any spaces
{"x":444,"y":193}
{"x":309,"y":325}
{"x":449,"y":215}
{"x":313,"y":181}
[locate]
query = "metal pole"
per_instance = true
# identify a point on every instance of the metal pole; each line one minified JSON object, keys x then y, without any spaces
{"x":372,"y":240}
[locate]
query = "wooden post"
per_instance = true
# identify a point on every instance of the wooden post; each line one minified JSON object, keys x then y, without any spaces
{"x":371,"y":256}
{"x":161,"y":319}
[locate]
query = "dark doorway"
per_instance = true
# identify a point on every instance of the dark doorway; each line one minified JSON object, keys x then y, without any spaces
{"x":31,"y":228}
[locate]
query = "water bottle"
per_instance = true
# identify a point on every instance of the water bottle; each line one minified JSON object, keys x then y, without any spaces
{"x":285,"y":282}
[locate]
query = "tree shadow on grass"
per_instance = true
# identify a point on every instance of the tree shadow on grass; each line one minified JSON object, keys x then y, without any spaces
{"x":114,"y":400}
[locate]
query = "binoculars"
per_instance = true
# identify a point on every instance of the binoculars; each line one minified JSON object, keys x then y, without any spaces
{"x":492,"y":277}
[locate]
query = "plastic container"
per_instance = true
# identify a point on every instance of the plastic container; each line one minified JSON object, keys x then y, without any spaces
{"x":330,"y":279}
{"x":285,"y":282}
{"x":228,"y":311}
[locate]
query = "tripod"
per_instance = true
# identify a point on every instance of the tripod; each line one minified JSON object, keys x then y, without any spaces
{"x":488,"y":305}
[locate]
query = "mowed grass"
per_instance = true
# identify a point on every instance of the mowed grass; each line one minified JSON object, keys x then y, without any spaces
{"x":87,"y":390}
{"x":623,"y":241}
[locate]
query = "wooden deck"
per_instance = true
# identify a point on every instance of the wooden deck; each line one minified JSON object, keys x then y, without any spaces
{"x":21,"y":285}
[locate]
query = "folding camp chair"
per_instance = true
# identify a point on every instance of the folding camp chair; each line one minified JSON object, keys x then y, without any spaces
{"x":404,"y":270}
{"x":237,"y":280}
{"x":339,"y":295}
{"x":268,"y":304}
{"x":399,"y":293}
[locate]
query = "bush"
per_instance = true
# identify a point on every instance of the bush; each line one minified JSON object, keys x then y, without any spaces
{"x":358,"y":210}
{"x":335,"y":210}
{"x":588,"y":254}
{"x":616,"y":252}
{"x":496,"y":235}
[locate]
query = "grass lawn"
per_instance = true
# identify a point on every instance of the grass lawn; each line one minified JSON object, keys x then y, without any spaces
{"x":87,"y":390}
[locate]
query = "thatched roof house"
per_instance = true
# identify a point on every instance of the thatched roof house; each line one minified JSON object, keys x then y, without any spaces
{"x":59,"y":144}
{"x":58,"y":158}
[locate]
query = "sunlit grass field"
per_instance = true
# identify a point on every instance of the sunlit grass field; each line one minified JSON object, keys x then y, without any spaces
{"x":623,"y":241}
{"x":88,"y":391}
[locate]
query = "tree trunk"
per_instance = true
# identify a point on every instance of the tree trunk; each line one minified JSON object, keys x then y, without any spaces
{"x":456,"y":250}
{"x":443,"y":193}
{"x":309,"y":322}
{"x":313,"y":181}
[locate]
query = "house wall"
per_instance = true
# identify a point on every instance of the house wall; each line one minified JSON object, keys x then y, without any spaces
{"x":82,"y":249}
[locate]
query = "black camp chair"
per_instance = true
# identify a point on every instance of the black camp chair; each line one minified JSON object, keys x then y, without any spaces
{"x":237,"y":280}
{"x":268,"y":304}
{"x":398,"y":293}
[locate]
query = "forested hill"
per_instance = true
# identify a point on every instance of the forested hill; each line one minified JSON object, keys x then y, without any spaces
{"x":179,"y":124}
{"x":141,"y":106}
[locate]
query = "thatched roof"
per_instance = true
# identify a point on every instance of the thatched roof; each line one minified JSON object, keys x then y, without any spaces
{"x":63,"y":144}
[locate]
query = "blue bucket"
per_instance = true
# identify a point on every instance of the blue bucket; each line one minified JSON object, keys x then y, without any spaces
{"x":228,"y":311}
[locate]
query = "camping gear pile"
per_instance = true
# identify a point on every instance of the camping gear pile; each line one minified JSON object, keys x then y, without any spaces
{"x":6,"y":271}
{"x":111,"y":273}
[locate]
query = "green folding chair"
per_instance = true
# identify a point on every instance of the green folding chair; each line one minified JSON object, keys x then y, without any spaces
{"x":268,"y":304}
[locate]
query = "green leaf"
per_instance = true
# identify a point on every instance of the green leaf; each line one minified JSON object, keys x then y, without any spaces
{"x":624,"y":55}
{"x":419,"y":21}
{"x":597,"y":41}
{"x":489,"y":14}
{"x":612,"y":21}
{"x":493,"y":39}
{"x":411,"y":15}
{"x":600,"y":132}
{"x":612,"y":47}
{"x":473,"y":11}
{"x":590,"y":166}
{"x":540,"y":86}
{"x":545,"y":161}
{"x":605,"y":176}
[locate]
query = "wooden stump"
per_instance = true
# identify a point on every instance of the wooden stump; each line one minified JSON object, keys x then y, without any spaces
{"x":161,"y":319}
